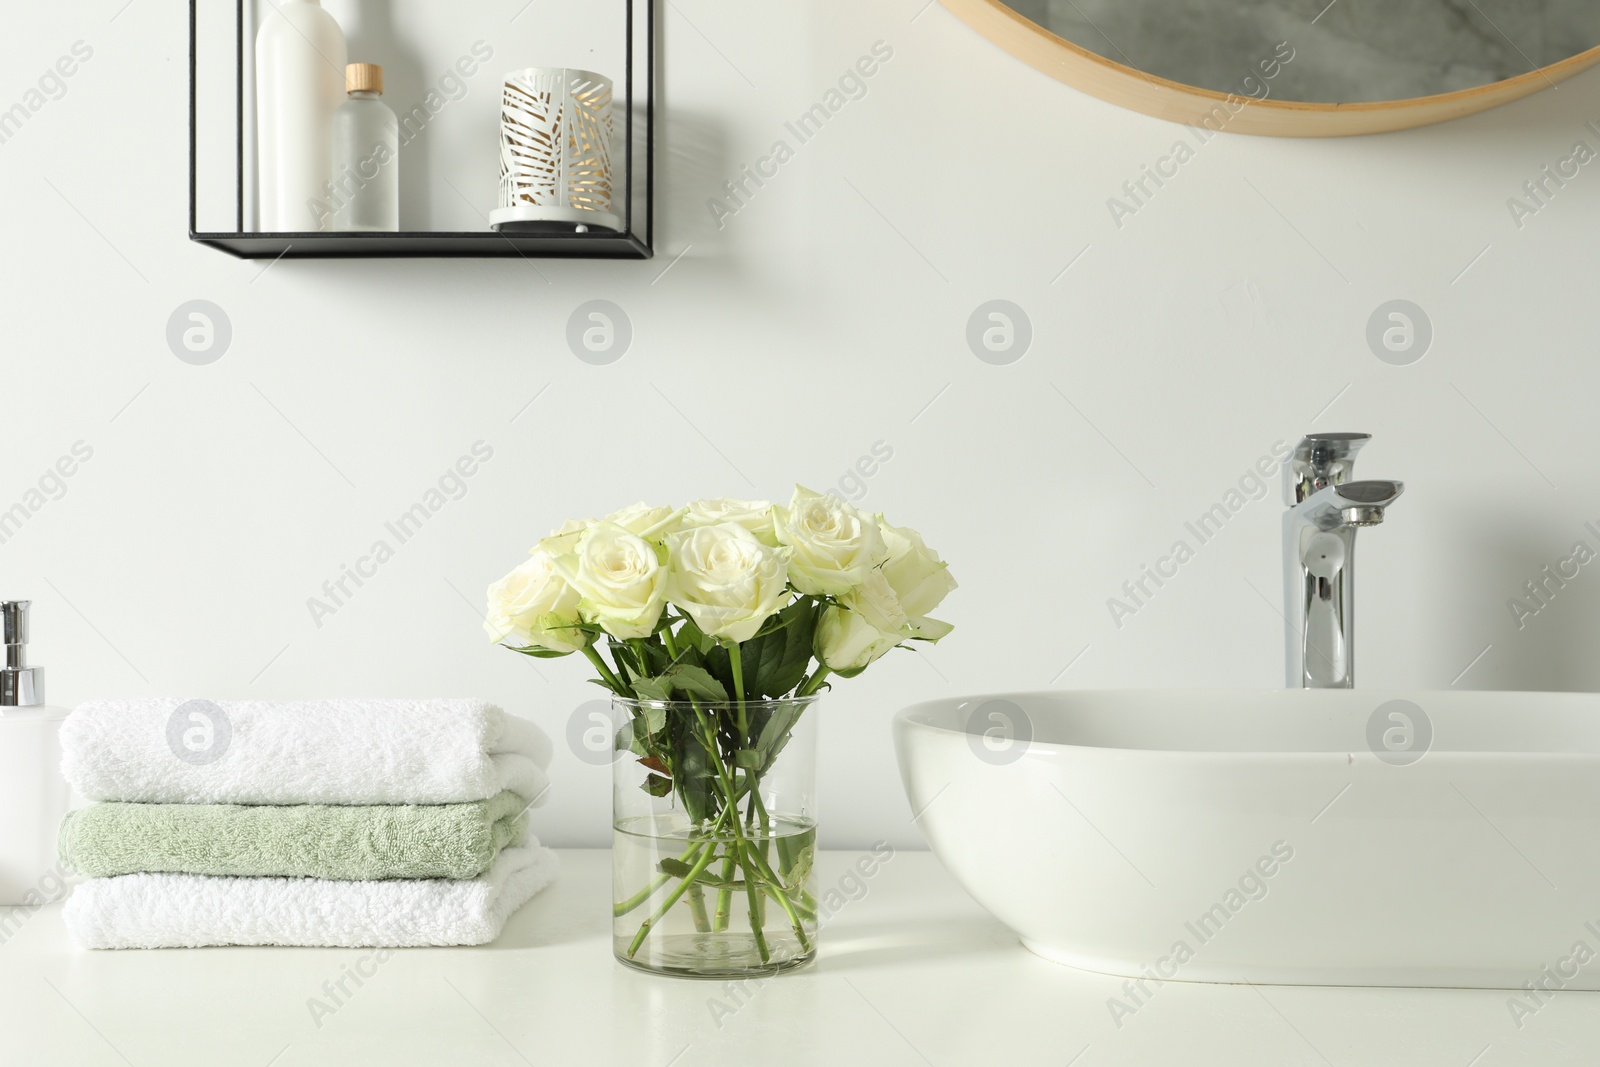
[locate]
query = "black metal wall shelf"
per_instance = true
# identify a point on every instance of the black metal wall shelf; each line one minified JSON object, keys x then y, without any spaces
{"x":428,"y":243}
{"x":635,"y":195}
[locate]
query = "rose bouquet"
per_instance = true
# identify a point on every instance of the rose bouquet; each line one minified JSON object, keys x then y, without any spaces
{"x":714,"y":626}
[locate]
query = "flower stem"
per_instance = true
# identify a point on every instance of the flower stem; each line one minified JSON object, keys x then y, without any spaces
{"x":805,"y":912}
{"x":776,"y":889}
{"x":813,"y":683}
{"x":736,"y":657}
{"x":697,"y":908}
{"x":724,"y":894}
{"x":686,"y":856}
{"x":610,"y":678}
{"x":623,"y":907}
{"x":729,"y":805}
{"x":754,"y":896}
{"x":758,"y":808}
{"x":672,"y":898}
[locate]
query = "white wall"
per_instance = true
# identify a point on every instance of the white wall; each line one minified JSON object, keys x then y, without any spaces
{"x":829,"y":314}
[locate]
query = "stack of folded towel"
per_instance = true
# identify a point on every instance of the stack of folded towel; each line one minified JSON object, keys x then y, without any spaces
{"x":345,"y":823}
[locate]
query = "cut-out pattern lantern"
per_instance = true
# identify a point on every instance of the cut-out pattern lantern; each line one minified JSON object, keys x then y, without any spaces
{"x":555,"y":151}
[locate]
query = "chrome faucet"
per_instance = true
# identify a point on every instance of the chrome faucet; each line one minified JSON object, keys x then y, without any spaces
{"x":1326,"y":508}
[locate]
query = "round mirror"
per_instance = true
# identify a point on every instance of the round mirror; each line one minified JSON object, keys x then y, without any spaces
{"x":1299,"y":68}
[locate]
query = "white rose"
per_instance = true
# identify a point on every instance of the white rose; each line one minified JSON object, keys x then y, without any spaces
{"x":619,"y":578}
{"x":534,"y":606}
{"x":725,"y":579}
{"x":876,"y":602}
{"x":869,"y":623}
{"x":919,"y":578}
{"x":889,"y":606}
{"x":847,"y":643}
{"x":753,"y":515}
{"x":644,"y":521}
{"x":834,"y":545}
{"x":565,"y":540}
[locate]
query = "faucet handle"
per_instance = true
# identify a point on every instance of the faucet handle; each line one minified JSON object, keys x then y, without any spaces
{"x":1318,"y":461}
{"x":1366,"y":501}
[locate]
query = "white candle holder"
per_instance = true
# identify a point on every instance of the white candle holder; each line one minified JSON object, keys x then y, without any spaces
{"x":555,"y":151}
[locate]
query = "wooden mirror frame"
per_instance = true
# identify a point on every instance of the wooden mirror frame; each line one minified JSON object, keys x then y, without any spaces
{"x":1126,"y":87}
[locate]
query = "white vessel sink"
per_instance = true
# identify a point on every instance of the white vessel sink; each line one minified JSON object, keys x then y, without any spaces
{"x":1222,"y":836}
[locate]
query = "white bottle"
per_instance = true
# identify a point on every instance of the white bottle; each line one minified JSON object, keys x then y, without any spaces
{"x":365,"y":187}
{"x":300,"y":60}
{"x":33,"y":795}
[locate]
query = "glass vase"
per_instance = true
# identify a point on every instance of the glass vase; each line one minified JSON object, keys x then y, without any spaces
{"x":714,"y":836}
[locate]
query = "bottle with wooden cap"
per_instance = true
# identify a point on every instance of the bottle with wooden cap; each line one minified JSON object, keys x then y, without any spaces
{"x":363,"y":193}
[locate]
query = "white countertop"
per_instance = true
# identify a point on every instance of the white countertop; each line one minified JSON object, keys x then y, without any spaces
{"x":913,"y":972}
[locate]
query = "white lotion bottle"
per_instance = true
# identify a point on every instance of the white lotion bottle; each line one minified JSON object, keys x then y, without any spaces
{"x":33,"y":795}
{"x":300,"y":61}
{"x":365,"y":188}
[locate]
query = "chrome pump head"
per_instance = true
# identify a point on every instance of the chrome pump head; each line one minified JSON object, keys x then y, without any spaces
{"x":21,"y":686}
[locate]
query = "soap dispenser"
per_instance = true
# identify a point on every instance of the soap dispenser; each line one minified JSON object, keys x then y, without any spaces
{"x":33,"y":795}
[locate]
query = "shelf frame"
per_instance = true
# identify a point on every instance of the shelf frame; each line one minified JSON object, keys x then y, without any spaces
{"x":629,"y":244}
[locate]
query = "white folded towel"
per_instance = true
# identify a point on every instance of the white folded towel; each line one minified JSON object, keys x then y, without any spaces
{"x":194,"y":910}
{"x":309,"y":752}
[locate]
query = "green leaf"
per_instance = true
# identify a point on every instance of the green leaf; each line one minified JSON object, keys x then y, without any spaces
{"x":630,"y":739}
{"x":692,"y":774}
{"x":753,"y":654}
{"x":774,"y":734}
{"x":801,"y":855}
{"x":638,"y":737}
{"x":695,"y":682}
{"x":687,"y":653}
{"x":691,"y":636}
{"x":622,"y":656}
{"x":747,"y":758}
{"x":539,"y":653}
{"x":794,"y":659}
{"x":775,"y":660}
{"x":656,"y":785}
{"x":675,"y":867}
{"x":658,"y":688}
{"x":777,"y":620}
{"x":603,"y":684}
{"x":720,"y":666}
{"x":655,"y":718}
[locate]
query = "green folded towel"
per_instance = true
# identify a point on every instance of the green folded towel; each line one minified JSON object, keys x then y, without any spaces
{"x":344,"y":842}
